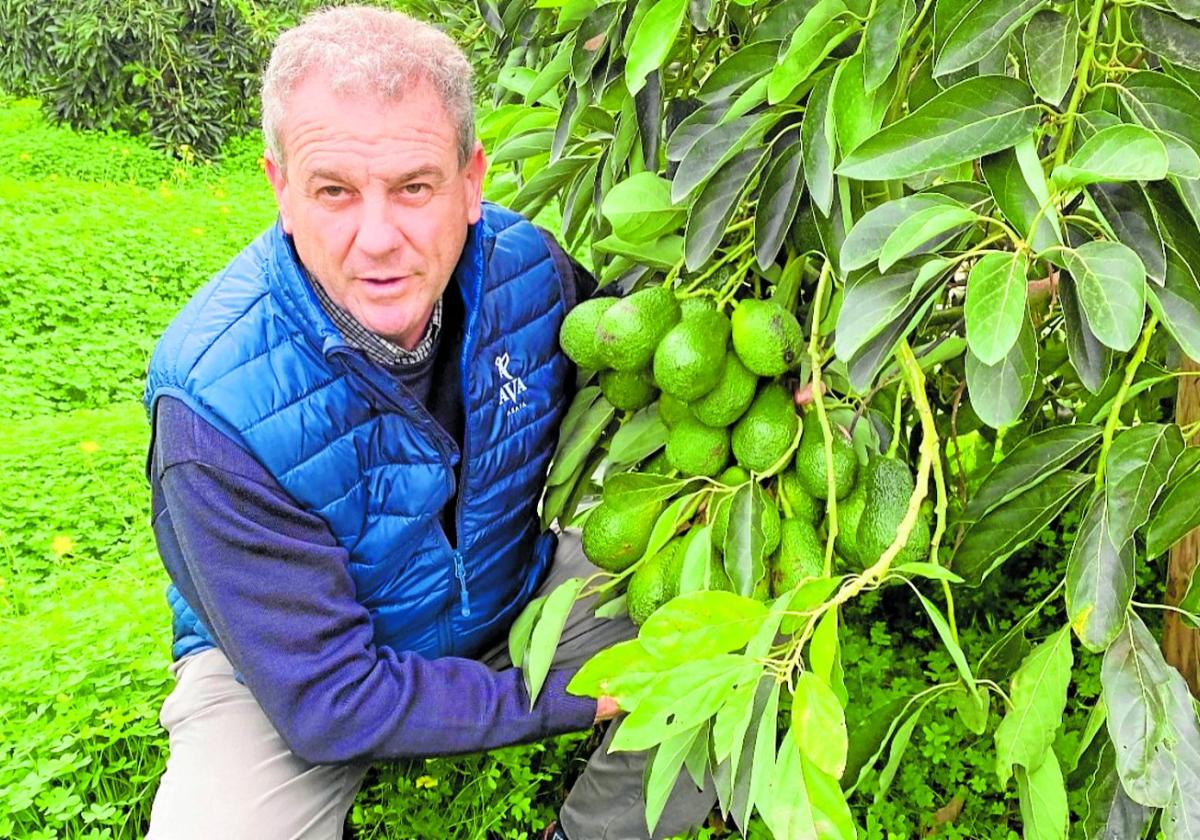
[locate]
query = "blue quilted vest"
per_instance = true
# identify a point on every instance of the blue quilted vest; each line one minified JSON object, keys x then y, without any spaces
{"x":255,"y":355}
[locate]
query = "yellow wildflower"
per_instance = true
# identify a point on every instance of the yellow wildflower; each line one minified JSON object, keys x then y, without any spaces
{"x":89,"y":446}
{"x":427,"y":782}
{"x":62,"y":544}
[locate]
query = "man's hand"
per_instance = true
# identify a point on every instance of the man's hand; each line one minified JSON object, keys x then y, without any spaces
{"x":804,"y":394}
{"x":606,"y":709}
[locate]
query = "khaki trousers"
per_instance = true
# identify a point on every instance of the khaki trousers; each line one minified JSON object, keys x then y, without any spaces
{"x":230,"y":776}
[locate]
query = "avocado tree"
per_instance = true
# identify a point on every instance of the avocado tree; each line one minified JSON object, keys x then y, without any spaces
{"x":965,"y":234}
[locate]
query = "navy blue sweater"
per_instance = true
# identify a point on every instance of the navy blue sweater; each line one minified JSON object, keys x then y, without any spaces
{"x":270,"y":582}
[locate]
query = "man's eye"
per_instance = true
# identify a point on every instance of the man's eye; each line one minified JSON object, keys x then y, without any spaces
{"x":332,"y":192}
{"x":415,"y":189}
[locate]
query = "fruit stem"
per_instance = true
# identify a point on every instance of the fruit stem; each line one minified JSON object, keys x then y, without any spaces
{"x":929,"y":443}
{"x":1081,"y":82}
{"x":818,"y":394}
{"x":1114,"y":415}
{"x":897,"y":419}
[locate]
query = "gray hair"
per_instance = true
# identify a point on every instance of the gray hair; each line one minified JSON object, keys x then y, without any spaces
{"x":362,"y":49}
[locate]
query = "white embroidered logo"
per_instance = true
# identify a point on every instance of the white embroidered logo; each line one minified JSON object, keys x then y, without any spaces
{"x":511,"y":387}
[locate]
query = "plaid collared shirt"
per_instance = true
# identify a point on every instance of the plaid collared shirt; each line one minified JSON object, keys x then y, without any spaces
{"x":378,"y":349}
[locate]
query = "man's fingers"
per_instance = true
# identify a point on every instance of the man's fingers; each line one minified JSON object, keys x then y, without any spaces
{"x":804,"y":394}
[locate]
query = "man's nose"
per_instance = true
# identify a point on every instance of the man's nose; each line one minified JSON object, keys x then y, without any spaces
{"x":380,"y":230}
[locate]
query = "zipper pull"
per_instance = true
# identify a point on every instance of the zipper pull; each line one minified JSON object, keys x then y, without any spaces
{"x":460,"y":572}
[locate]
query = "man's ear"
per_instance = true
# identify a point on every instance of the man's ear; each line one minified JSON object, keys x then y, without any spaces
{"x":278,"y":179}
{"x":473,"y":175}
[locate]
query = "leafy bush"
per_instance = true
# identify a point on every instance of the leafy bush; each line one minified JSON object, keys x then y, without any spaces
{"x":183,"y":71}
{"x":983,"y":215}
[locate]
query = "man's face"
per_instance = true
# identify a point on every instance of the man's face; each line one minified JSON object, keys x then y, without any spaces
{"x":376,"y":201}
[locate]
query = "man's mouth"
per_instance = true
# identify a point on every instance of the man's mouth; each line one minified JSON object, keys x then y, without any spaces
{"x":383,"y":281}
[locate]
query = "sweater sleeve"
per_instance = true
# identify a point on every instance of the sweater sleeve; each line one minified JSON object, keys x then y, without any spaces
{"x":271,"y":583}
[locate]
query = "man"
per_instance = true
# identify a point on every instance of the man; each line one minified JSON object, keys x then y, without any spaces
{"x":351,"y":427}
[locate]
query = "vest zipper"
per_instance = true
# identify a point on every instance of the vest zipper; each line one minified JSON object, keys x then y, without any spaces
{"x":464,"y":598}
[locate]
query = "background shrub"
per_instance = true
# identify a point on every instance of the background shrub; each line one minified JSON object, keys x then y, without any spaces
{"x":183,"y":71}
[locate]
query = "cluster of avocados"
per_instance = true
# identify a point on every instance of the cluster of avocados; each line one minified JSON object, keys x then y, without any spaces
{"x":717,"y":382}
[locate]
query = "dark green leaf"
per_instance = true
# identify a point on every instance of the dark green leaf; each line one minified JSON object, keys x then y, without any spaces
{"x":552,"y":72}
{"x":574,"y":447}
{"x":1120,"y":153}
{"x":745,"y":559}
{"x":923,"y":229}
{"x":1000,"y":392}
{"x":1177,"y":304}
{"x":1111,"y":285}
{"x":652,"y":41}
{"x":698,"y":123}
{"x":641,"y":437}
{"x":822,"y":29}
{"x":1090,"y":358}
{"x":1139,"y":464}
{"x":780,"y":21}
{"x":995,"y":305}
{"x":1009,"y":527}
{"x":664,"y":771}
{"x":871,"y":302}
{"x":1111,"y":814}
{"x":1128,"y":212}
{"x":522,"y":629}
{"x":1181,"y":818}
{"x":884,"y":38}
{"x":865,"y":364}
{"x":591,"y":41}
{"x":865,"y":240}
{"x":1042,"y":794}
{"x":757,"y":766}
{"x":714,"y":149}
{"x":631,"y":490}
{"x":521,"y":146}
{"x":1165,"y":104}
{"x":715,"y":205}
{"x":1189,"y":9}
{"x":1031,"y":462}
{"x":662,"y":253}
{"x":543,"y":187}
{"x":1050,"y":43}
{"x":546,"y":634}
{"x":697,"y":567}
{"x":1039,"y":697}
{"x":976,"y":117}
{"x":1019,"y":187}
{"x":817,"y":134}
{"x":648,"y":104}
{"x":947,"y":637}
{"x":578,"y":410}
{"x":896,"y":749}
{"x":1176,"y":515}
{"x":735,"y":72}
{"x":1134,"y":676}
{"x":1167,"y":37}
{"x":1100,"y":578}
{"x":979,"y":27}
{"x":778,"y":201}
{"x":855,"y":116}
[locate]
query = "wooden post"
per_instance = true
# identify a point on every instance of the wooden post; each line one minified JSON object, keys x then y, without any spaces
{"x":1181,"y":644}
